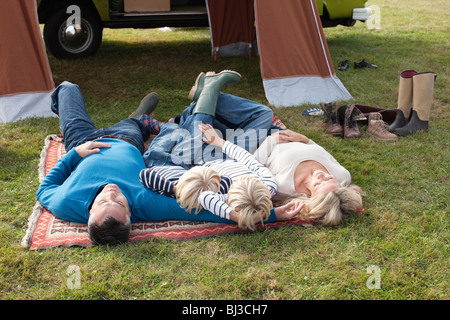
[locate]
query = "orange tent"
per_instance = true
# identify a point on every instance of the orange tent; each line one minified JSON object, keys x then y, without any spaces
{"x":26,"y":81}
{"x":296,"y":66}
{"x":232,"y":26}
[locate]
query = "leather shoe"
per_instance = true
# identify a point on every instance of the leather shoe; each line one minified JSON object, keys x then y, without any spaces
{"x":364,"y":64}
{"x":344,"y":65}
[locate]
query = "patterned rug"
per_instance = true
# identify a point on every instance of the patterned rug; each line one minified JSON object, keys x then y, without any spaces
{"x":47,"y":231}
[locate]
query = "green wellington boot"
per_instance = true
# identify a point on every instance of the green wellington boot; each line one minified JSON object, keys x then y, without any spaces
{"x":147,"y":105}
{"x":211,"y":87}
{"x":197,"y":87}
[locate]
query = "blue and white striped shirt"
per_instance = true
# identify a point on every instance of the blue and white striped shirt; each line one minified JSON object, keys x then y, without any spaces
{"x":161,"y":179}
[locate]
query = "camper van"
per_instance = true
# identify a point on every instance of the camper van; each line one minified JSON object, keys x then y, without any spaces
{"x":83,"y":35}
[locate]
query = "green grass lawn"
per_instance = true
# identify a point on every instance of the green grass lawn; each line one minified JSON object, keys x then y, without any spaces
{"x":406,"y":234}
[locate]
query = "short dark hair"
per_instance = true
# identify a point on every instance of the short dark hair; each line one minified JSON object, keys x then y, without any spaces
{"x":110,"y":232}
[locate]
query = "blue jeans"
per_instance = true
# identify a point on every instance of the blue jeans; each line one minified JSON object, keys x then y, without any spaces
{"x":77,"y":126}
{"x":240,"y":121}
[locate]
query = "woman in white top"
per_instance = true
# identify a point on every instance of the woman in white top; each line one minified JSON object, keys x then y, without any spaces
{"x":307,"y":172}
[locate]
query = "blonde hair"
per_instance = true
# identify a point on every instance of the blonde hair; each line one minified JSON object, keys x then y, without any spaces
{"x":192,"y":183}
{"x":249,"y":196}
{"x":331,"y":208}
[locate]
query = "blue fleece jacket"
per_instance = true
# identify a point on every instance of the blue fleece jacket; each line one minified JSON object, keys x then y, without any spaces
{"x":72,"y":184}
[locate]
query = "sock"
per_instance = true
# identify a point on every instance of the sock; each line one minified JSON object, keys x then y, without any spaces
{"x":152,"y":124}
{"x":175,"y":119}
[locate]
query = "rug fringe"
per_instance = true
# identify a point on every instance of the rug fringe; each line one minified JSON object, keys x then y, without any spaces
{"x":38,"y":208}
{"x":32,"y":224}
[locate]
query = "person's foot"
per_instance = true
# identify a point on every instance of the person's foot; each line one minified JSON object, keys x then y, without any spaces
{"x":147,"y":106}
{"x":153,"y":125}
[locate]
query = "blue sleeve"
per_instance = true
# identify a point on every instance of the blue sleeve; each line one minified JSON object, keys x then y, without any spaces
{"x":56,"y":177}
{"x":272,"y":217}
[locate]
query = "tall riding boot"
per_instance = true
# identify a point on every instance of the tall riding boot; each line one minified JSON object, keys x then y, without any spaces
{"x":423,"y":87}
{"x":405,"y":100}
{"x":212,"y":85}
{"x":332,"y":125}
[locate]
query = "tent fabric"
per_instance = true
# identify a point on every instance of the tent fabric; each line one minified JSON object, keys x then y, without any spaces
{"x":232,"y":27}
{"x":25,"y":78}
{"x":296,"y":66}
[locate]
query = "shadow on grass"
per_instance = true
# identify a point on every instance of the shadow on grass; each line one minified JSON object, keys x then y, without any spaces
{"x":172,"y":64}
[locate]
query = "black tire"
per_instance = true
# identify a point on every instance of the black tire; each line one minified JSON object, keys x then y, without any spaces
{"x":55,"y":39}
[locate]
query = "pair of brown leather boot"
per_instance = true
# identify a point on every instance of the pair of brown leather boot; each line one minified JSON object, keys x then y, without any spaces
{"x":342,"y":121}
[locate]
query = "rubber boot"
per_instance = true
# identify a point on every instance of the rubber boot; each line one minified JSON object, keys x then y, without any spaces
{"x":423,"y":87}
{"x":212,"y":85}
{"x":405,"y":100}
{"x":332,"y":125}
{"x":147,"y":106}
{"x":197,"y":87}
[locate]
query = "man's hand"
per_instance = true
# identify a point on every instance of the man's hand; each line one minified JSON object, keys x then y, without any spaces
{"x":289,"y":211}
{"x":210,"y":135}
{"x":283,"y":136}
{"x":90,"y":147}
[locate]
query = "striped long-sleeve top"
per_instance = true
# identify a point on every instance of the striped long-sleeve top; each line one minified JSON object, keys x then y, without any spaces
{"x":242,"y":163}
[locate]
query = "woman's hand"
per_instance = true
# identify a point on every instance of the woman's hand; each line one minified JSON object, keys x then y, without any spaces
{"x":289,"y":211}
{"x":210,"y":135}
{"x":284,"y":136}
{"x":90,"y":147}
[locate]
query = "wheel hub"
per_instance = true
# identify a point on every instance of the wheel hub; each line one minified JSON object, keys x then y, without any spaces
{"x":75,"y":35}
{"x":75,"y":38}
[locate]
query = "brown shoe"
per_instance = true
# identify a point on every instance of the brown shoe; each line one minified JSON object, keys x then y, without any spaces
{"x":332,"y":125}
{"x":379,"y":129}
{"x":351,"y":130}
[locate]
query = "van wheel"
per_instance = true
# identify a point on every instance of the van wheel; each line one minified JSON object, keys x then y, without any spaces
{"x":73,"y":41}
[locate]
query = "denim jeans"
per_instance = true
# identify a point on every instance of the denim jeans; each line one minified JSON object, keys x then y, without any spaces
{"x":77,"y":126}
{"x":240,"y":121}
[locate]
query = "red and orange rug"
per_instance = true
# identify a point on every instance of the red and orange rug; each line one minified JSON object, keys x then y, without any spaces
{"x":47,"y":231}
